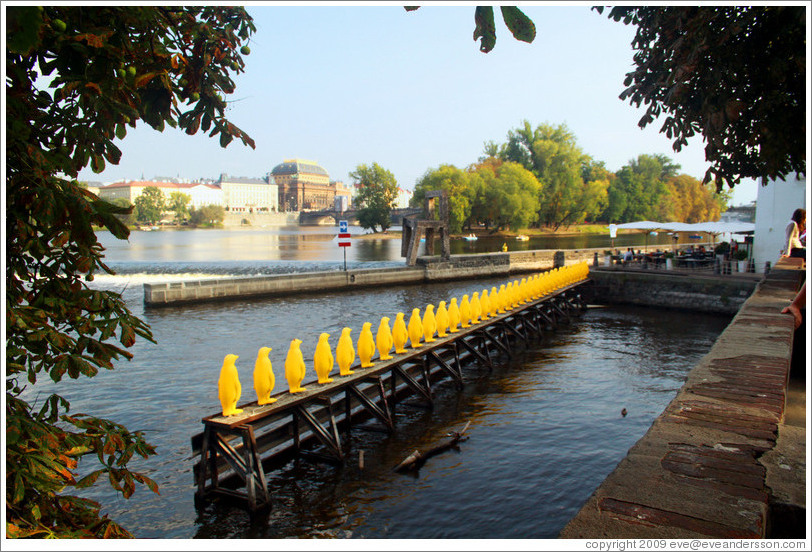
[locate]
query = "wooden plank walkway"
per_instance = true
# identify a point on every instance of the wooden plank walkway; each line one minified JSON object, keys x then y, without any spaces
{"x":235,"y":452}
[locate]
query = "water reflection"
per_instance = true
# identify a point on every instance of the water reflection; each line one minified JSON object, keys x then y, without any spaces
{"x":318,"y":243}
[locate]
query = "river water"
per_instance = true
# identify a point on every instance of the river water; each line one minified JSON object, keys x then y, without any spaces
{"x":546,"y":428}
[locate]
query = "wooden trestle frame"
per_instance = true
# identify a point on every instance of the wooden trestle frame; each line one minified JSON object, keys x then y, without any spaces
{"x":436,"y":222}
{"x":239,"y":449}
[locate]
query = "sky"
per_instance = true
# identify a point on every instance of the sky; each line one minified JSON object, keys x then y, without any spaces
{"x":345,"y":85}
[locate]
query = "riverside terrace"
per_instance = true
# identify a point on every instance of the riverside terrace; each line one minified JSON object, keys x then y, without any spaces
{"x":727,"y":457}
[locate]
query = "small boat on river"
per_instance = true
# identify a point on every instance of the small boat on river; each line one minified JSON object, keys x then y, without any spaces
{"x":470,"y":237}
{"x":522,"y":237}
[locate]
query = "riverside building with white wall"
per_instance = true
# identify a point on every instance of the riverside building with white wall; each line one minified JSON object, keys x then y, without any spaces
{"x":237,"y":194}
{"x":775,"y":202}
{"x":249,"y":195}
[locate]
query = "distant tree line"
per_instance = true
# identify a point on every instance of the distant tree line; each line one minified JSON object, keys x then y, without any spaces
{"x":541,"y":177}
{"x":150,"y":206}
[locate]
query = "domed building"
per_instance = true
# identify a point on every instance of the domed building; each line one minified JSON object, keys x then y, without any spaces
{"x":303,"y":185}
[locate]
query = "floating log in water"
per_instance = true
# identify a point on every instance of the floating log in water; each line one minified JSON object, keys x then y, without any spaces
{"x":416,"y":459}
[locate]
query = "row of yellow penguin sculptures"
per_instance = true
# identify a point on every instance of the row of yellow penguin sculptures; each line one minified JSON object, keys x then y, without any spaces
{"x":479,"y":307}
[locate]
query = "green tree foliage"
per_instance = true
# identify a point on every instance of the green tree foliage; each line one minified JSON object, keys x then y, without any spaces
{"x":692,"y":201}
{"x":378,"y":190}
{"x":150,"y":205}
{"x":575,"y":187}
{"x":521,"y":26}
{"x":639,"y":191}
{"x":552,"y":154}
{"x":649,"y":188}
{"x":179,"y":204}
{"x":208,"y":215}
{"x":735,"y":74}
{"x":597,"y":181}
{"x":103,"y":69}
{"x":460,"y":193}
{"x":128,"y":217}
{"x":507,"y":195}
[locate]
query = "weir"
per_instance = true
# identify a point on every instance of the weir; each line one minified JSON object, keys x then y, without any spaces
{"x":234,"y":453}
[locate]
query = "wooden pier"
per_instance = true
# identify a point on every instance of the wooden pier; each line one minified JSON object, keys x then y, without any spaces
{"x":233,"y":453}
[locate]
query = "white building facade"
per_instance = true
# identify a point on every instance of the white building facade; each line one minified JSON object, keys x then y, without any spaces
{"x":776,"y":201}
{"x":131,"y":189}
{"x":203,"y":194}
{"x":403,"y":198}
{"x":249,"y":195}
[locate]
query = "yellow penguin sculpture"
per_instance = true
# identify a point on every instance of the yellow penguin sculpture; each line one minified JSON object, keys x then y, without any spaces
{"x":485,"y":302}
{"x":509,"y":304}
{"x":494,"y":297}
{"x":295,"y":367}
{"x":476,"y":308}
{"x":415,"y":328}
{"x":228,"y":386}
{"x":323,"y":360}
{"x":442,"y":319}
{"x":345,"y":353}
{"x":383,"y":339}
{"x":453,"y":316}
{"x":429,"y":324}
{"x":366,"y":345}
{"x":400,"y":334}
{"x":263,"y":377}
{"x":502,"y":299}
{"x":465,"y":312}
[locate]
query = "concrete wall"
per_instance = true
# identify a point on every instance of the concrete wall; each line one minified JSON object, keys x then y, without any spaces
{"x":774,"y":206}
{"x":712,"y":294}
{"x":705,"y":293}
{"x":429,"y":269}
{"x":233,"y":288}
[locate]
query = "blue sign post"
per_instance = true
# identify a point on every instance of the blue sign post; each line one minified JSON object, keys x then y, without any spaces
{"x":344,"y":239}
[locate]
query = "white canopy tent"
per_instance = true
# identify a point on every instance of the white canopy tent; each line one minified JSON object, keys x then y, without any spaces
{"x":712,"y":228}
{"x":707,"y":227}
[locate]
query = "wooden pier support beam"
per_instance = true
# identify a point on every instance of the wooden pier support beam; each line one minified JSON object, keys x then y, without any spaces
{"x":382,"y":412}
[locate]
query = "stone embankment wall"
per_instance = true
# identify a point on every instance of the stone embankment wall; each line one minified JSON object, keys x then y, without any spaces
{"x":429,"y":269}
{"x":655,"y":288}
{"x":698,"y":293}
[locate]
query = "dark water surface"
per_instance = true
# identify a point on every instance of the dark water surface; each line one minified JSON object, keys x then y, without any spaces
{"x":545,"y":430}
